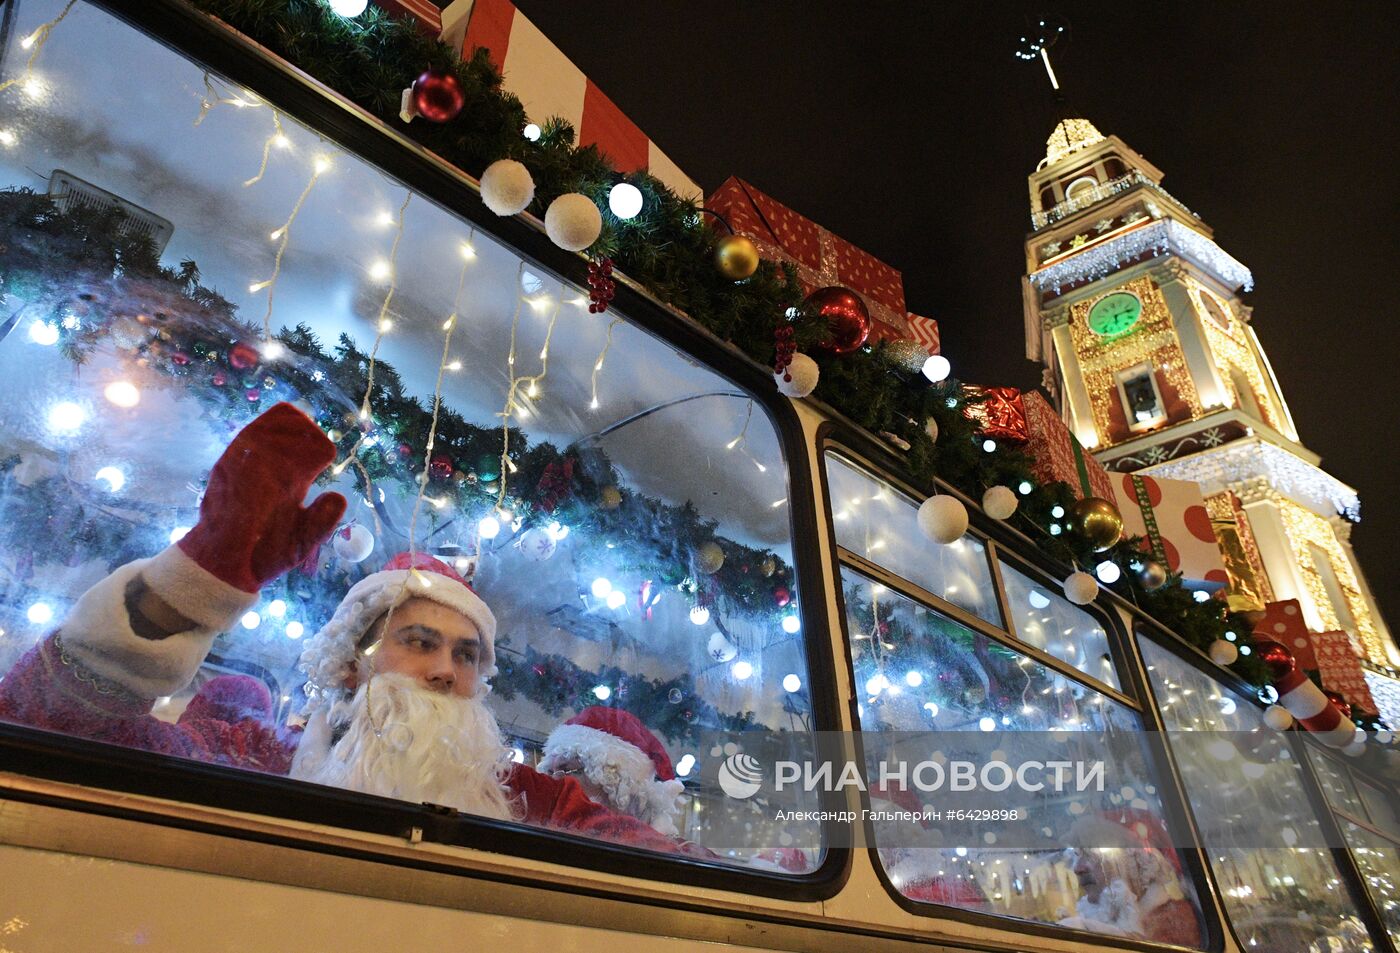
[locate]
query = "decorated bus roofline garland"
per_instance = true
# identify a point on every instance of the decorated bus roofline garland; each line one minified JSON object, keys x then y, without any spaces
{"x":668,"y":250}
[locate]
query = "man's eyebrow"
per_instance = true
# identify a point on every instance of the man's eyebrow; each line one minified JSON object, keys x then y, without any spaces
{"x":418,"y":628}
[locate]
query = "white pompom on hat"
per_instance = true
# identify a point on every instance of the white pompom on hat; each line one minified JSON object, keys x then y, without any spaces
{"x":329,"y":654}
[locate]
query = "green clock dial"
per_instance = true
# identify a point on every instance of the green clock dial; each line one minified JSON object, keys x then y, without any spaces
{"x":1115,"y":313}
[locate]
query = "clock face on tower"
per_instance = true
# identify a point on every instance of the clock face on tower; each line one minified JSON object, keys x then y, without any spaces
{"x":1115,"y":313}
{"x":1217,"y":314}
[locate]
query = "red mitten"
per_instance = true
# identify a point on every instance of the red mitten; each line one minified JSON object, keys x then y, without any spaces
{"x":252,"y":526}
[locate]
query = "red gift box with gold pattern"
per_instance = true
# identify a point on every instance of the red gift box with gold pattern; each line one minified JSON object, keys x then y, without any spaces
{"x":1172,"y":515}
{"x":1283,"y":623}
{"x":1340,"y":668}
{"x":1056,"y":455}
{"x":823,"y":259}
{"x":998,"y":413}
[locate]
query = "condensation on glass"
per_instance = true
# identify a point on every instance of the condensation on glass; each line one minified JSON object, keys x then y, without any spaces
{"x":1281,"y":899}
{"x":1045,"y":619}
{"x":636,"y":550}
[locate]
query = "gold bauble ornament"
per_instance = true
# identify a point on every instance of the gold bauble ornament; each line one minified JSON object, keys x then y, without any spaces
{"x":1153,"y":575}
{"x":1097,"y":521}
{"x":909,"y":355}
{"x":610,"y":498}
{"x":709,"y":558}
{"x":736,"y":257}
{"x":768,"y":567}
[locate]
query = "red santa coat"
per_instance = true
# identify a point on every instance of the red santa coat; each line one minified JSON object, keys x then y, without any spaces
{"x":73,"y":683}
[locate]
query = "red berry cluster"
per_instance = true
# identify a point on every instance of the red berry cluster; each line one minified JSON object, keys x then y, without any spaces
{"x":600,"y":284}
{"x":786,"y":348}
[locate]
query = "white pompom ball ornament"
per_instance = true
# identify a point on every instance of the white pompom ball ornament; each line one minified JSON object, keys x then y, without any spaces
{"x":1081,"y":588}
{"x":931,"y":428}
{"x":943,"y":518}
{"x":721,"y":649}
{"x":804,"y":373}
{"x":537,"y":544}
{"x":1223,"y":653}
{"x":506,"y":187}
{"x":1277,"y":717}
{"x":573,"y":222}
{"x":999,"y":502}
{"x":353,"y":543}
{"x":1384,"y":736}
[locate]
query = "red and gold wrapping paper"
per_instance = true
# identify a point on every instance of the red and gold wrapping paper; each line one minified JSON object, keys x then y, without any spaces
{"x":428,"y":14}
{"x":1057,"y":455}
{"x":822,"y":259}
{"x":1283,"y":623}
{"x":998,"y":413}
{"x":1340,"y":668}
{"x":1249,"y":587}
{"x":1172,"y":515}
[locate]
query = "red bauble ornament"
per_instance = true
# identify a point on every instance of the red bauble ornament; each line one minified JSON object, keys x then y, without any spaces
{"x":847,"y":317}
{"x":1340,"y":700}
{"x":243,"y":356}
{"x":219,"y":379}
{"x":438,"y":96}
{"x":440,"y":468}
{"x":180,"y":358}
{"x":404,"y":449}
{"x":781,"y":596}
{"x":253,"y":394}
{"x":1278,"y":661}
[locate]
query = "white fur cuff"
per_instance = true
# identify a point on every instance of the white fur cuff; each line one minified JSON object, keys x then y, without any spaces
{"x":194,"y":592}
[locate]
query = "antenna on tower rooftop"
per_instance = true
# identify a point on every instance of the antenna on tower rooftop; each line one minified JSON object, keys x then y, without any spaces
{"x":1036,"y":41}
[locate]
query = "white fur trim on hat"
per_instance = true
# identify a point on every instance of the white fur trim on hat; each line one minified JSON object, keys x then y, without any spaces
{"x":328,"y":655}
{"x":621,"y":769}
{"x":98,"y":633}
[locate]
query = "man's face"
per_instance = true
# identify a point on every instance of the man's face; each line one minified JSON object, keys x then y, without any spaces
{"x":1088,"y":868}
{"x":436,"y":646}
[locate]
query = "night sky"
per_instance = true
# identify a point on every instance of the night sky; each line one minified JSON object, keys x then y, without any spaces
{"x":909,"y":129}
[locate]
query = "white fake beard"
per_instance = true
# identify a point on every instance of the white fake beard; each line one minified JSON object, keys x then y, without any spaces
{"x":432,"y":747}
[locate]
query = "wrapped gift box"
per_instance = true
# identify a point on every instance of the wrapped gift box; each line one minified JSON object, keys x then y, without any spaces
{"x":1283,"y":623}
{"x":1056,"y":454}
{"x":998,"y":412}
{"x":1172,"y":515}
{"x":1248,"y":584}
{"x":1340,"y":668}
{"x":823,"y":259}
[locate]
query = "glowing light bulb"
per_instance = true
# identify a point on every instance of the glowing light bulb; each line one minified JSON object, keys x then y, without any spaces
{"x":275,"y":234}
{"x":114,"y":478}
{"x":989,"y":445}
{"x":1025,"y":488}
{"x":1038,"y":599}
{"x":380,"y":270}
{"x":791,"y":682}
{"x":348,"y":8}
{"x":489,"y":527}
{"x":876,"y":684}
{"x":987,"y":724}
{"x":1200,"y":595}
{"x":1056,"y":529}
{"x":684,"y":766}
{"x":385,"y":218}
{"x":251,"y":620}
{"x":34,"y":88}
{"x":558,"y":531}
{"x":699,"y":615}
{"x":792,"y":624}
{"x":1057,"y":511}
{"x":42,"y":332}
{"x":40,"y":613}
{"x":602,"y":692}
{"x":931,"y":708}
{"x":322,"y":164}
{"x":7,"y":137}
{"x":29,"y":41}
{"x":281,"y":141}
{"x":454,"y":366}
{"x":913,"y":679}
{"x":625,"y":200}
{"x":532,"y":131}
{"x":937,"y":368}
{"x":616,"y":599}
{"x":66,"y":416}
{"x":601,"y":587}
{"x":1108,"y":571}
{"x":277,"y":608}
{"x":741,"y":670}
{"x":295,"y":630}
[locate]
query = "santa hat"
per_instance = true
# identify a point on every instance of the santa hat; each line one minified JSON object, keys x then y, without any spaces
{"x":620,"y":756}
{"x":329,"y":653}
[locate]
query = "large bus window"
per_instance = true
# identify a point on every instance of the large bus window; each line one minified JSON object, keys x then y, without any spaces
{"x":874,"y":520}
{"x":1264,"y":887}
{"x":1378,"y":859}
{"x":216,"y":316}
{"x":1045,"y":619}
{"x":918,"y":670}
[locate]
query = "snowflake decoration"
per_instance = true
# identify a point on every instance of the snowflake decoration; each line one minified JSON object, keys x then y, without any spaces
{"x":1155,"y":454}
{"x":1212,"y":437}
{"x":1134,"y":216}
{"x":1051,"y":248}
{"x":1078,"y":240}
{"x":1103,"y":225}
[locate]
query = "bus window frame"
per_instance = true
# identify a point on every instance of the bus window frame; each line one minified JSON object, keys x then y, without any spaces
{"x":45,"y":755}
{"x":845,"y":439}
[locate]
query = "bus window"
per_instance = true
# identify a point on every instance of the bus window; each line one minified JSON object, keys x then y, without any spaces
{"x":866,"y":512}
{"x":563,"y":552}
{"x":1045,"y":619}
{"x":1263,"y":887}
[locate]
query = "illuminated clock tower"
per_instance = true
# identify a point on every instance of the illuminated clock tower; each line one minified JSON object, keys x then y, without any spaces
{"x":1135,"y":312}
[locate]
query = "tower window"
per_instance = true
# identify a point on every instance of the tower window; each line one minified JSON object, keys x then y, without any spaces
{"x":1081,"y":187}
{"x":1142,"y":401}
{"x":1341,"y":607}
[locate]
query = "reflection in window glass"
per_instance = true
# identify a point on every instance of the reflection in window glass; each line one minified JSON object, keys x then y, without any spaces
{"x":917,"y":670}
{"x":1047,"y":620}
{"x":1264,"y":888}
{"x":632,"y":544}
{"x":1381,"y":808}
{"x":1379,"y":862}
{"x":1335,"y":784}
{"x":876,"y":521}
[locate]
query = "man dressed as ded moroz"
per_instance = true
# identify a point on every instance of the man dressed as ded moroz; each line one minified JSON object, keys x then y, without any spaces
{"x":397,"y":678}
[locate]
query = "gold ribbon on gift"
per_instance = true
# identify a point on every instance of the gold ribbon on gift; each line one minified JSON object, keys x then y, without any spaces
{"x":1249,"y":589}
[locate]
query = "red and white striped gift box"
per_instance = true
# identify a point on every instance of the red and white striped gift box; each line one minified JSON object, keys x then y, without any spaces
{"x":549,"y":84}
